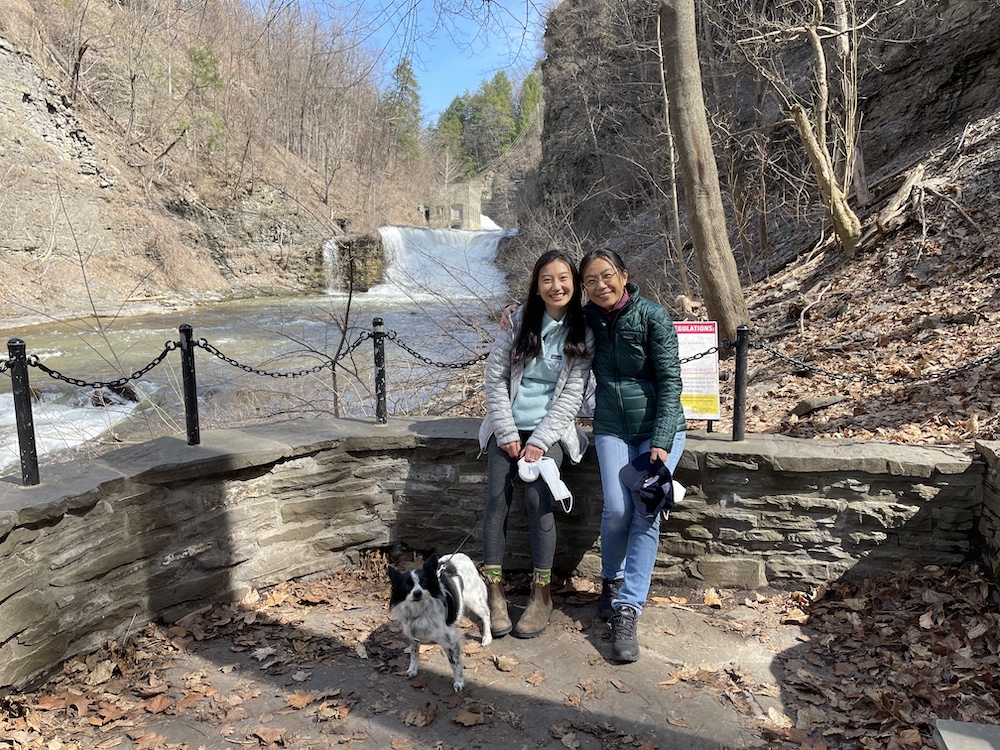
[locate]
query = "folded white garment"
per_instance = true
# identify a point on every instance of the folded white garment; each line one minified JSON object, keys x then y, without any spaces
{"x":679,"y":491}
{"x":546,"y":468}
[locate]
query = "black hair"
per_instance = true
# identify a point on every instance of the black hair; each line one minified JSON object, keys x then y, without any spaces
{"x":602,"y":252}
{"x":529,"y":339}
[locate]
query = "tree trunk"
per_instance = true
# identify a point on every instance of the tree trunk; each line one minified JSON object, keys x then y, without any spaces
{"x":720,"y":283}
{"x":845,"y":221}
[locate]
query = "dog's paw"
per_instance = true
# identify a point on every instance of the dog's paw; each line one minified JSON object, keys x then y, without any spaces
{"x":487,"y":639}
{"x":458,"y":684}
{"x":411,"y":673}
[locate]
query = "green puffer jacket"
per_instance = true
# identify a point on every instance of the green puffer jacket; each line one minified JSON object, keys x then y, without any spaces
{"x":638,"y":372}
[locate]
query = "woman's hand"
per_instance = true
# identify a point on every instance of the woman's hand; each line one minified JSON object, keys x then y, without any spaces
{"x":512,"y":449}
{"x":532,"y":453}
{"x":505,"y":317}
{"x":658,"y":453}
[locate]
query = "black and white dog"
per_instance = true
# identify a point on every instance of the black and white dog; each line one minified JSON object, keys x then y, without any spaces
{"x":428,"y":602}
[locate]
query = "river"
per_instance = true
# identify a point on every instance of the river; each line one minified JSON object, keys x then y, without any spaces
{"x":440,"y":298}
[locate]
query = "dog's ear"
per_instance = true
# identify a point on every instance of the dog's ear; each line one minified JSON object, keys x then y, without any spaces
{"x":394,"y":575}
{"x":431,"y":564}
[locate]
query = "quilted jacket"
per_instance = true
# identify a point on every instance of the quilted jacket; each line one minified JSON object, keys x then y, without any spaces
{"x":559,"y":423}
{"x":638,"y":372}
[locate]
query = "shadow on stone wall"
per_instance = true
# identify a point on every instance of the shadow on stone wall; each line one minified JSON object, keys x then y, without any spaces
{"x":156,"y":530}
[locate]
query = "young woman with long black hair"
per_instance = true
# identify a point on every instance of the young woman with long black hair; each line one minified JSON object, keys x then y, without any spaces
{"x":535,"y":380}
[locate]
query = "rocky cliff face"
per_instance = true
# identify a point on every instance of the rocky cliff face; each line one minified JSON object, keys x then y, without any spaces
{"x":926,"y":69}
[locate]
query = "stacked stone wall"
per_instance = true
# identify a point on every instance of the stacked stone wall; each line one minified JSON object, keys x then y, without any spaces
{"x":156,"y":530}
{"x":989,"y":521}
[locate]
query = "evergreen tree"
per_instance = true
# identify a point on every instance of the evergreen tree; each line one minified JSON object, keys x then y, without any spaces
{"x":453,"y":160}
{"x":401,"y":104}
{"x":529,"y":109}
{"x":491,"y":128}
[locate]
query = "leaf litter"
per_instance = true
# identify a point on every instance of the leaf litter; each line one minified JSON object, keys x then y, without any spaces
{"x":879,"y":661}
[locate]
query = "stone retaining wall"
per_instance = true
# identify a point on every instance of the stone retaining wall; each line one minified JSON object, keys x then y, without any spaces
{"x":156,"y":530}
{"x":989,"y":521}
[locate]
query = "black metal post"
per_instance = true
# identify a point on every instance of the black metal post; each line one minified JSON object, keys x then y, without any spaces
{"x":740,"y":383}
{"x":190,"y":385}
{"x":378,"y":337}
{"x":17,"y":351}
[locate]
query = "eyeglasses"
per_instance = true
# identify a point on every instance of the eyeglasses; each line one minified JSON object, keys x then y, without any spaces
{"x":605,"y":278}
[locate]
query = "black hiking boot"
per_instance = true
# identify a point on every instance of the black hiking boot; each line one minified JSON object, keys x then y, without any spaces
{"x":624,"y":634}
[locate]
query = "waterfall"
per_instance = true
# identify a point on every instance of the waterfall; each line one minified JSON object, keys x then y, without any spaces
{"x":330,"y":263}
{"x":426,"y":264}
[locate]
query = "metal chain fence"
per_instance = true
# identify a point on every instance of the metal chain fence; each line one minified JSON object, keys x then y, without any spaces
{"x":18,"y":362}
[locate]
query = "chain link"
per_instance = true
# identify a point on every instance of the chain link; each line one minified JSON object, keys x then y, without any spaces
{"x":871,"y":378}
{"x":4,"y":365}
{"x":328,"y":365}
{"x":394,"y":337}
{"x":110,"y":384}
{"x":33,"y":361}
{"x":699,"y":355}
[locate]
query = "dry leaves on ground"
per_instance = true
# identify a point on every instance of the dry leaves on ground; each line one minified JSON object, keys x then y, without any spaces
{"x":890,"y":656}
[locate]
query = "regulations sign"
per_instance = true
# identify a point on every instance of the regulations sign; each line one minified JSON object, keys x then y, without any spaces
{"x":700,"y":397}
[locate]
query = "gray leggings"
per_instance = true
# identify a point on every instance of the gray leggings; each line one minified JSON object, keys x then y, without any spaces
{"x":501,"y":471}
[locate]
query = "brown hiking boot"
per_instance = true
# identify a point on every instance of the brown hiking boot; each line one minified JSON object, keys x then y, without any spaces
{"x":497,"y":600}
{"x":536,"y":616}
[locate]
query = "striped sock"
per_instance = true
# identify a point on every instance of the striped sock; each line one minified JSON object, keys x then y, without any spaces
{"x":541,"y":577}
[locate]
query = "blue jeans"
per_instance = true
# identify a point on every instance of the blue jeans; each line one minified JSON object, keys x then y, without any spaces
{"x":628,"y":539}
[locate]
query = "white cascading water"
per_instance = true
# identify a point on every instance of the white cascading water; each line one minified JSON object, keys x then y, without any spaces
{"x":423,"y":266}
{"x":427,"y":264}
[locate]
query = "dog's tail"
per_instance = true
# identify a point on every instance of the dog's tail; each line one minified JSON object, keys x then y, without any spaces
{"x":452,"y":587}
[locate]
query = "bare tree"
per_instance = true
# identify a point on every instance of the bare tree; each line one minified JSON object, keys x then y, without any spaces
{"x":703,"y":198}
{"x":823,"y":111}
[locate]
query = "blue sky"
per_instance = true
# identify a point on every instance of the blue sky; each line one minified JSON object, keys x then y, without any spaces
{"x":453,"y":53}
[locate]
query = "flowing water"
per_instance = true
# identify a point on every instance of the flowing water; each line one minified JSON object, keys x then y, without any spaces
{"x":440,"y":295}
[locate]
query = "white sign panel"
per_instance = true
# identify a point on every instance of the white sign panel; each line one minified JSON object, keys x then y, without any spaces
{"x":700,"y":397}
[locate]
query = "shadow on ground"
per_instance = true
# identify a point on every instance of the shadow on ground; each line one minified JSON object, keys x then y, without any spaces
{"x":320,"y":664}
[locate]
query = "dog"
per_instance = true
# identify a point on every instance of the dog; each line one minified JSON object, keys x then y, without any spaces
{"x":428,"y":602}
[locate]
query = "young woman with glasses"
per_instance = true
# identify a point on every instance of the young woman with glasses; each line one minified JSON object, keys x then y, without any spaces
{"x":638,"y":409}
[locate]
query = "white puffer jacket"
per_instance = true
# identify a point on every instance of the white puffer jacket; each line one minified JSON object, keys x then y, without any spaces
{"x":559,"y":423}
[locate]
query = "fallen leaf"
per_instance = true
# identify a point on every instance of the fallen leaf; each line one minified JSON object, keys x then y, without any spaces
{"x":419,"y":717}
{"x":154,"y":686}
{"x":795,"y":616}
{"x":157,"y":704}
{"x":712,"y":599}
{"x":469,"y":717}
{"x":300,"y":699}
{"x":620,"y":686}
{"x":50,"y":703}
{"x":101,"y":673}
{"x":148,"y":741}
{"x":269,"y":736}
{"x":504,"y":662}
{"x":536,"y":678}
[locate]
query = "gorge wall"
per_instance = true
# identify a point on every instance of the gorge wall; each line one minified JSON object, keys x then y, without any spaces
{"x":926,"y":68}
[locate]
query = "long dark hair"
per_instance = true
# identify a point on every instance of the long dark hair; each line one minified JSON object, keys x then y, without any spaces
{"x":529,"y":339}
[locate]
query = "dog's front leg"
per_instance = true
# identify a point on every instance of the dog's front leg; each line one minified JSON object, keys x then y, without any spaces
{"x":452,"y":645}
{"x":414,"y":658}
